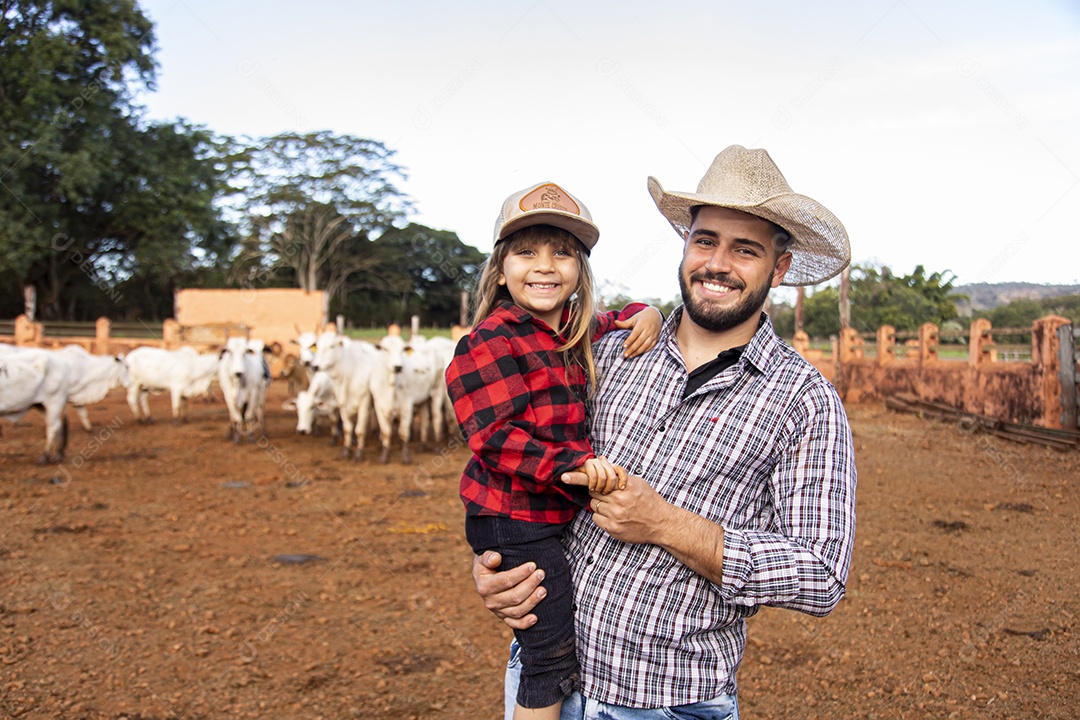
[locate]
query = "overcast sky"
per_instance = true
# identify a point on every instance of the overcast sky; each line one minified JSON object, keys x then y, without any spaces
{"x":942,"y":134}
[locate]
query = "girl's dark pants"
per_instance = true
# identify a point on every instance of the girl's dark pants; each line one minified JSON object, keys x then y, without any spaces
{"x":549,"y":663}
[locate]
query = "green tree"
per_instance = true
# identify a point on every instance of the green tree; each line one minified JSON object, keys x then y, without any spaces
{"x":821,"y":312}
{"x":1017,"y":314}
{"x":306,"y":203}
{"x":614,"y":296}
{"x":879,"y":297}
{"x":92,"y":196}
{"x":417,"y":271}
{"x":782,"y":316}
{"x":1064,"y":305}
{"x":1021,"y":313}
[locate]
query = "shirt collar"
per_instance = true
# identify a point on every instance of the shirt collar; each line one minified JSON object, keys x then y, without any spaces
{"x":514,"y":313}
{"x":759,"y":352}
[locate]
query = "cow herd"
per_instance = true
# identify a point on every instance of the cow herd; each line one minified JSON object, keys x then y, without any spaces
{"x":390,"y":379}
{"x":351,"y":384}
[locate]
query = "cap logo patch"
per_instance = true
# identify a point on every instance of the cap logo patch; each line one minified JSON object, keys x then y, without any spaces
{"x":549,"y":197}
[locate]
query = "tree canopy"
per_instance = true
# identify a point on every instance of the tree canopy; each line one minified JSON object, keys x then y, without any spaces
{"x":420,"y":271}
{"x":95,"y":201}
{"x":105,"y":212}
{"x":301,"y":201}
{"x":1021,"y":313}
{"x":880,"y":297}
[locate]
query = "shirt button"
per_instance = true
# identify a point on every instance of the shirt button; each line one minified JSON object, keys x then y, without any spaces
{"x":574,"y":607}
{"x":589,"y":560}
{"x":661,"y":428}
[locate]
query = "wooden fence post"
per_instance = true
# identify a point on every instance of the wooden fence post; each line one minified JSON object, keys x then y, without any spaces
{"x":849,"y":344}
{"x":171,"y":337}
{"x":928,"y":343}
{"x":1046,"y":359}
{"x":800,"y":298}
{"x":886,"y":345}
{"x":27,"y":332}
{"x":102,"y":330}
{"x":801,"y":342}
{"x":981,"y":343}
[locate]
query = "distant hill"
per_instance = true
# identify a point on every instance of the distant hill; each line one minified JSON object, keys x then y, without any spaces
{"x":987,"y":296}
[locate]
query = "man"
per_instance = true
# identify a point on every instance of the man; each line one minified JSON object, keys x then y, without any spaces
{"x":742,"y":487}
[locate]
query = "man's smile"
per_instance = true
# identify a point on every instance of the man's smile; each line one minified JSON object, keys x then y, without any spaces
{"x":715,"y":287}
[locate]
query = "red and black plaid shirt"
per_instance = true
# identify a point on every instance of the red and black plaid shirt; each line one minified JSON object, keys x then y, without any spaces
{"x":523,"y":414}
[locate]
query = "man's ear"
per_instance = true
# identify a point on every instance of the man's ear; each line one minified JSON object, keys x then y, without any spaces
{"x":780,"y":269}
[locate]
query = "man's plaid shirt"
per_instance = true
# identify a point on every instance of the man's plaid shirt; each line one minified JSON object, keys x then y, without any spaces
{"x":763,"y":449}
{"x":523,"y":414}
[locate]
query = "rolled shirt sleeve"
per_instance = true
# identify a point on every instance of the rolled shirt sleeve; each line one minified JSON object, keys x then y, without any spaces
{"x":803,"y":564}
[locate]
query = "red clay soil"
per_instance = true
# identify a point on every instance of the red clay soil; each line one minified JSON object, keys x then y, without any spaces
{"x":164,"y":573}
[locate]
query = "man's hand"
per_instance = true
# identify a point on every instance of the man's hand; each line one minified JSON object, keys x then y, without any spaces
{"x":639,"y":515}
{"x":636,"y":514}
{"x":512,"y":594}
{"x":645,"y":331}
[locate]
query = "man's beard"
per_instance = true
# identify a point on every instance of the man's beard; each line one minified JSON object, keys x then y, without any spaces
{"x":717,"y":318}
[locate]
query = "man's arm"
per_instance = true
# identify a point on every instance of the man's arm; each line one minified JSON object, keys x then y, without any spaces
{"x":639,"y":515}
{"x":693,"y":540}
{"x":803,"y":563}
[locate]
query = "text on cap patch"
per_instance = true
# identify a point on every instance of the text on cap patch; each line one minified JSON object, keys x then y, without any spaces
{"x":549,"y":197}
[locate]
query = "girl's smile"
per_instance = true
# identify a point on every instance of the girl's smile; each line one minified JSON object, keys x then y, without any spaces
{"x":541,"y":280}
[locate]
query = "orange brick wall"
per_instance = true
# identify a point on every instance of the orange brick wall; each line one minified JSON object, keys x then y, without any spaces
{"x":272,"y":314}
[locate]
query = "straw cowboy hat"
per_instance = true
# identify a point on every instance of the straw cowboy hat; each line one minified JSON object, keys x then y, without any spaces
{"x":748,"y":180}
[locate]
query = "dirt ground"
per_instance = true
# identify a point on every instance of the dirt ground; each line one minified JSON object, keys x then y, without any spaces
{"x":163,"y":573}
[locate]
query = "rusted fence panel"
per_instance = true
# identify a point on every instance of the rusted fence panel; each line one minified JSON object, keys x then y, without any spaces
{"x":1032,"y":392}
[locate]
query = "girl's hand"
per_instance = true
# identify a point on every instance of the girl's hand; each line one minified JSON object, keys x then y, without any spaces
{"x":644,"y":331}
{"x":603,"y":476}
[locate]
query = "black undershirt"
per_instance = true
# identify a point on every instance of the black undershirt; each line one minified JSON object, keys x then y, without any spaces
{"x":711,"y":369}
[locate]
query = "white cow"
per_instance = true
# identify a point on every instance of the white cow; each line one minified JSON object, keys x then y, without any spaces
{"x":441,"y":350}
{"x":91,"y":378}
{"x":349,"y":365}
{"x":313,"y":404}
{"x":37,"y":379}
{"x":400,"y":382}
{"x":244,"y":377}
{"x":184,"y":373}
{"x":307,"y":343}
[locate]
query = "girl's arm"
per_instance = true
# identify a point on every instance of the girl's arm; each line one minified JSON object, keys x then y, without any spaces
{"x":499,"y":415}
{"x":644,"y":322}
{"x":644,"y":331}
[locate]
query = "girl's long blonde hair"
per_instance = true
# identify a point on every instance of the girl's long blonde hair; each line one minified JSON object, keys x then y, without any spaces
{"x":581,"y":325}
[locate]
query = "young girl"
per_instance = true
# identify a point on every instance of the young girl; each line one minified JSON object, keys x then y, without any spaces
{"x":519,"y":382}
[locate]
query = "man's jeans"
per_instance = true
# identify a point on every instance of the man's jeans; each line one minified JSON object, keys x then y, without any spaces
{"x":577,"y":707}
